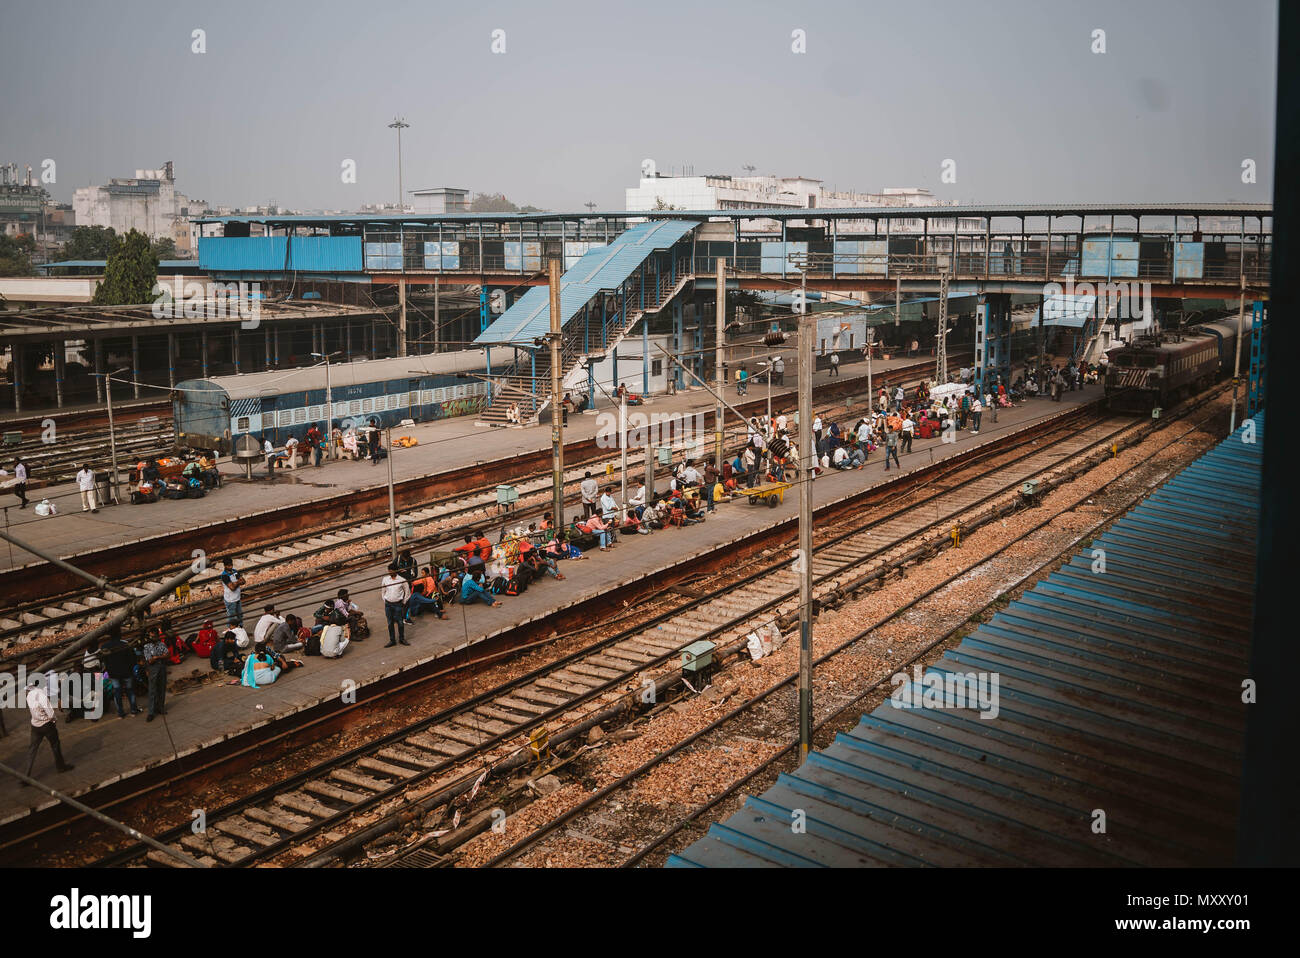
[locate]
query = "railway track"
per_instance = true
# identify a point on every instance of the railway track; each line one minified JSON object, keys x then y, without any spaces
{"x":438,"y":520}
{"x":592,"y":816}
{"x":59,"y":460}
{"x":441,"y":757}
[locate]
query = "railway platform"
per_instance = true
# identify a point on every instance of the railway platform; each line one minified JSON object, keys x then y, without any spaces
{"x":445,"y":447}
{"x":113,"y":751}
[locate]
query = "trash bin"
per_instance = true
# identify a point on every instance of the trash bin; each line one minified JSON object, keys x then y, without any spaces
{"x":103,"y":488}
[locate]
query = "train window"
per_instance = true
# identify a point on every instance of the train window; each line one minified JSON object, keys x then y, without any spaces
{"x":300,"y":415}
{"x":354,"y":408}
{"x":367,"y":405}
{"x":241,"y":424}
{"x":426,"y":396}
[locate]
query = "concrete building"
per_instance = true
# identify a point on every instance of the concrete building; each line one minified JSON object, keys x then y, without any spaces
{"x":725,"y":192}
{"x":148,"y":202}
{"x":442,"y":199}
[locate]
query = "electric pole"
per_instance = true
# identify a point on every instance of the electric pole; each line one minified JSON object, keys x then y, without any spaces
{"x":557,"y":414}
{"x":806,"y":335}
{"x":719,"y":374}
{"x":941,"y":352}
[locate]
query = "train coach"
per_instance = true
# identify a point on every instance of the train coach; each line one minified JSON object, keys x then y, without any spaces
{"x":1160,"y":371}
{"x":213,"y":413}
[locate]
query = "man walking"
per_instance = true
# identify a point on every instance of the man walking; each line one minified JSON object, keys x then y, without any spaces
{"x":155,"y":666}
{"x":589,"y":489}
{"x":20,"y":482}
{"x":778,"y":367}
{"x":232,"y":589}
{"x":43,"y":726}
{"x":835,"y":364}
{"x":396,"y":592}
{"x":742,"y":381}
{"x":891,"y":447}
{"x":86,"y":485}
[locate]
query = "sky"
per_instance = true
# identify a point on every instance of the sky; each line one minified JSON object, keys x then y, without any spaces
{"x":285,"y":92}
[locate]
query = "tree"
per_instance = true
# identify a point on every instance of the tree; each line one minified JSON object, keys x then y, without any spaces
{"x":16,"y":254}
{"x":164,"y":248}
{"x":130,"y":273}
{"x":661,"y":205}
{"x":89,"y":242}
{"x":497,"y":203}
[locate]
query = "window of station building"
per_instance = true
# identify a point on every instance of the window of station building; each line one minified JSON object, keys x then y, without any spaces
{"x":656,"y":367}
{"x":241,"y":424}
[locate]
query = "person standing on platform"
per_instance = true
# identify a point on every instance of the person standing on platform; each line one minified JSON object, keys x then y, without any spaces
{"x":314,"y":443}
{"x":20,"y":482}
{"x":396,"y":592}
{"x":86,"y":485}
{"x":742,"y":381}
{"x":232,"y":590}
{"x":589,"y":489}
{"x":155,"y":664}
{"x":899,"y":396}
{"x":43,"y":727}
{"x":891,"y":447}
{"x":905,"y":434}
{"x":835,"y":364}
{"x":119,"y":661}
{"x":373,"y":440}
{"x":976,"y":413}
{"x":778,"y":369}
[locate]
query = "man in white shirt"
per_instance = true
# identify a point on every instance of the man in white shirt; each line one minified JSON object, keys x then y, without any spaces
{"x":395,"y":591}
{"x":333,"y":642}
{"x":817,"y":429}
{"x":898,"y":398}
{"x":976,"y":410}
{"x":781,"y":423}
{"x":43,"y":726}
{"x":590,"y":488}
{"x":272,"y":629}
{"x":86,"y":483}
{"x":609,"y":505}
{"x":269,"y":451}
{"x":636,"y":504}
{"x":20,"y":482}
{"x":906,"y":437}
{"x":291,"y":452}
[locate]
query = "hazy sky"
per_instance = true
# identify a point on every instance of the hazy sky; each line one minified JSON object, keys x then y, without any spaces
{"x":288,"y":90}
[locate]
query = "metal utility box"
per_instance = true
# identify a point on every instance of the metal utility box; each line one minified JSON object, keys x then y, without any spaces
{"x":13,"y":439}
{"x":697,"y":656}
{"x":507,"y":497}
{"x":1030,"y":488}
{"x":406,"y":530}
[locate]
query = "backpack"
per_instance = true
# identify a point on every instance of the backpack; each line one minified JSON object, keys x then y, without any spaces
{"x":360,"y":628}
{"x":498,"y":585}
{"x":312,"y":644}
{"x":514,"y":586}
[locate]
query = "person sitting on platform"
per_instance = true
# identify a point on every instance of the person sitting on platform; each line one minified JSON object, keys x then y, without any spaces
{"x":471,"y":590}
{"x":600,"y":529}
{"x":205,"y":641}
{"x":561,"y":548}
{"x":608,"y":506}
{"x":424,"y":595}
{"x":265,"y":666}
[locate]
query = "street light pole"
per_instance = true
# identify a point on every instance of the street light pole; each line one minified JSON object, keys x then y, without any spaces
{"x":399,"y":124}
{"x":329,"y":397}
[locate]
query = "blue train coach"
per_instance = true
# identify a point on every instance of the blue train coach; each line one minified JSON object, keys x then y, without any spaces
{"x":212,"y":413}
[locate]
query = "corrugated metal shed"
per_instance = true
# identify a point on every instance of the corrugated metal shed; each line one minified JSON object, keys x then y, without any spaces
{"x":602,"y":269}
{"x":1119,"y":694}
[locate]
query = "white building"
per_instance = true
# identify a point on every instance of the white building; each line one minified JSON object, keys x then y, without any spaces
{"x":724,"y":192}
{"x":147,"y":202}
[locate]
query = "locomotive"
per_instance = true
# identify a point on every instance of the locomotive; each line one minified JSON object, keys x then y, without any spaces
{"x":1163,"y":369}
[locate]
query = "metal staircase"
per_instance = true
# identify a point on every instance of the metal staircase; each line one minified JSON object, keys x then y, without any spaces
{"x":528,"y":381}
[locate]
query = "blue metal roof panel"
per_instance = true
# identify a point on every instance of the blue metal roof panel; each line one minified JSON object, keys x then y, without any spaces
{"x":1118,"y":691}
{"x":601,"y":270}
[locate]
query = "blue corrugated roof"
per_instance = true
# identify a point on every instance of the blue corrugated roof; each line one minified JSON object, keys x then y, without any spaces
{"x":1119,"y":692}
{"x":603,"y":269}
